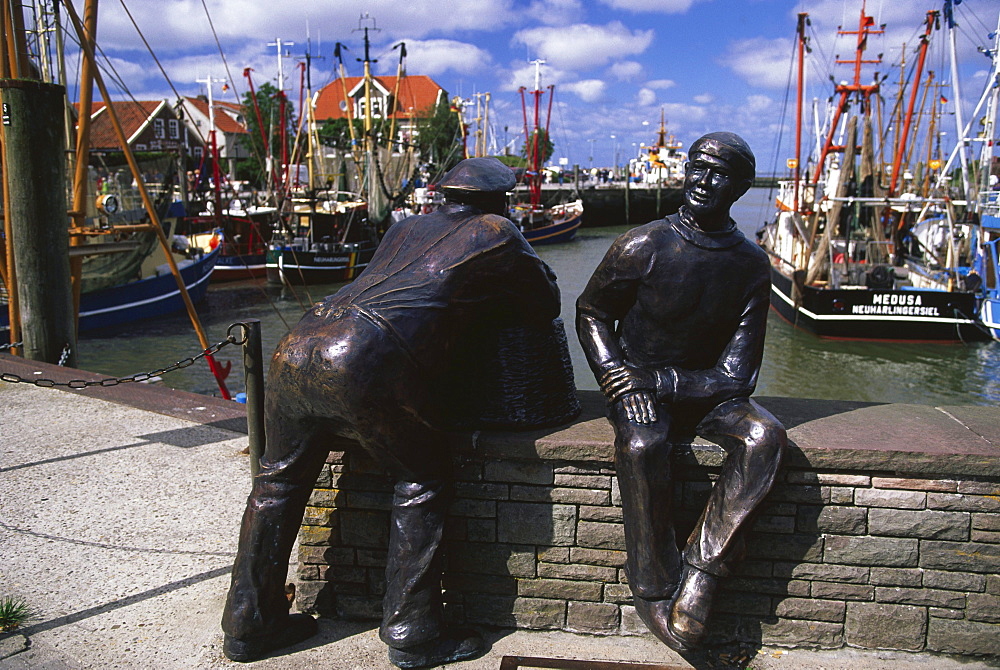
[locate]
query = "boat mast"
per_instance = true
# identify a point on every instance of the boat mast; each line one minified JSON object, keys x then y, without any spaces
{"x":81,"y":171}
{"x":213,"y":149}
{"x":349,"y":110}
{"x":846,"y":91}
{"x":908,"y":118}
{"x":366,"y":186}
{"x":533,"y":138}
{"x":957,"y":95}
{"x":280,"y":179}
{"x":796,"y":175}
{"x":990,"y":117}
{"x":393,"y":105}
{"x":310,"y":116}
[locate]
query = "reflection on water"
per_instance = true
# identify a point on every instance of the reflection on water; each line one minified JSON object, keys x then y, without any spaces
{"x":795,"y":363}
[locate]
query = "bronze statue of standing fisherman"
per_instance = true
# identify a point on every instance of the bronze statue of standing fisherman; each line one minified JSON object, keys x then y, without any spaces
{"x":381,"y":362}
{"x":672,"y":323}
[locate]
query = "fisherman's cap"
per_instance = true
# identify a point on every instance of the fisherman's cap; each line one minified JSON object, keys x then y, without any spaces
{"x":480,"y":175}
{"x":731,"y":148}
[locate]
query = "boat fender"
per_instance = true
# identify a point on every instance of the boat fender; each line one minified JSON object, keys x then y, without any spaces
{"x":972,"y":281}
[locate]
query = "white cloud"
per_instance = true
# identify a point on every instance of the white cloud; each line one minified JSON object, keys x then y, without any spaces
{"x":583,"y":46}
{"x":761,"y":62}
{"x":627,"y":70}
{"x":704,"y":99}
{"x":645,"y":97}
{"x":757,"y":103}
{"x":588,"y":90}
{"x":555,"y":12}
{"x":660,"y":84}
{"x":435,"y":57}
{"x":173,"y":25}
{"x":658,"y":6}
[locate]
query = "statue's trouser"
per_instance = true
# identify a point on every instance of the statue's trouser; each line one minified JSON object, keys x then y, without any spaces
{"x":754,"y":441}
{"x":415,"y":454}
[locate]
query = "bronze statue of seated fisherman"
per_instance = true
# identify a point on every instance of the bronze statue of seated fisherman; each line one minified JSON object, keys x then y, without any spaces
{"x":672,"y":323}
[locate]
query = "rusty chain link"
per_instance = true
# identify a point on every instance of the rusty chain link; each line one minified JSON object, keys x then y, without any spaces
{"x":137,"y":377}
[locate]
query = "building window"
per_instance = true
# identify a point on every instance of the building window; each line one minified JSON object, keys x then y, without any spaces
{"x":197,"y":152}
{"x":156,"y":145}
{"x":175,"y":128}
{"x":158,"y":128}
{"x":376,"y":108}
{"x":140,"y":147}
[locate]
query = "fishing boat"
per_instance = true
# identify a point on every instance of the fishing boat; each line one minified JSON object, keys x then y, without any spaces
{"x":539,"y":223}
{"x":838,"y":245}
{"x":323,"y":246}
{"x":153,"y":296}
{"x":986,"y":235}
{"x":147,"y":298}
{"x":988,"y":267}
{"x":243,"y":247}
{"x":660,"y":165}
{"x":246,"y":227}
{"x":330,"y":235}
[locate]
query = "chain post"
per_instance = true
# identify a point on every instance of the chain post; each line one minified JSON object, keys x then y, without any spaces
{"x":253,"y":370}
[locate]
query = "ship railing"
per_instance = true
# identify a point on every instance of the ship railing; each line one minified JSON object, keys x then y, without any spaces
{"x":910,"y":204}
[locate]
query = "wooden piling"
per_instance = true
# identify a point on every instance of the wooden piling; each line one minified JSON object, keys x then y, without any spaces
{"x":34,"y":157}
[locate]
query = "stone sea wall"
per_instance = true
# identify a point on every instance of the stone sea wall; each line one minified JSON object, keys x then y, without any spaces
{"x":883,"y":532}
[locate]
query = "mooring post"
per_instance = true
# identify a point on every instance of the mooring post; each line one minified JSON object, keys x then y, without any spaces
{"x":35,"y":158}
{"x":628,"y":178}
{"x":253,"y":369}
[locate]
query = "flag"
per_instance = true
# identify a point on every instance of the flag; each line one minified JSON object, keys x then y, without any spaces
{"x":944,"y":100}
{"x":225,"y":87}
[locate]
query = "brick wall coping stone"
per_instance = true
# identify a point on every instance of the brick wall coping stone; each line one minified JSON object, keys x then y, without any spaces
{"x":823,"y":434}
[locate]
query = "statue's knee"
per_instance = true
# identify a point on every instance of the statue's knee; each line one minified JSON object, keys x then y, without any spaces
{"x":767,"y":439}
{"x":642,"y":448}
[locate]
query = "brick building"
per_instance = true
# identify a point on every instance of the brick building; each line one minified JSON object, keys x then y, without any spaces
{"x":405,"y":99}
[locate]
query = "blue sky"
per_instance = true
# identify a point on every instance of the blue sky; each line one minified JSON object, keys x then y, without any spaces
{"x":708,"y":64}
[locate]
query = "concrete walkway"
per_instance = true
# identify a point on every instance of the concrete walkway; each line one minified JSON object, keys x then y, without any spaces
{"x":119,"y":513}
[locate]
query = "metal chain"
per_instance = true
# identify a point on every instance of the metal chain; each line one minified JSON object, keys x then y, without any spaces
{"x":139,"y":376}
{"x":11,"y":346}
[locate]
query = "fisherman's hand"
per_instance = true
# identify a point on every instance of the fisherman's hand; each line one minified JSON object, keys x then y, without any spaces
{"x":639,"y":407}
{"x":618,"y":381}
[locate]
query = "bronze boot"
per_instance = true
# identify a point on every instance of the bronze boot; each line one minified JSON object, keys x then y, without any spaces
{"x":296,"y":628}
{"x":690,"y":609}
{"x":655,"y":613}
{"x":455,"y":645}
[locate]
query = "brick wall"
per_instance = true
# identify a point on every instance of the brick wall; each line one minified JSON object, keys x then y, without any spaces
{"x":862,"y":556}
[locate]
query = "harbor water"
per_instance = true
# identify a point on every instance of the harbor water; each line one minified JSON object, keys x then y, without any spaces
{"x":796,"y":364}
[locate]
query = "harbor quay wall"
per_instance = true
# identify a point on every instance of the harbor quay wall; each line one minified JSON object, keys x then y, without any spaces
{"x":883,"y":531}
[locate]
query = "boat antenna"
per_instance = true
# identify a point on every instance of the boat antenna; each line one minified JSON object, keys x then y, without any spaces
{"x":367,"y":60}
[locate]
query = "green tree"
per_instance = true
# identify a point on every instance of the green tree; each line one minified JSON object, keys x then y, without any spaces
{"x":439,"y":137}
{"x":544,"y":144}
{"x":269,"y":103}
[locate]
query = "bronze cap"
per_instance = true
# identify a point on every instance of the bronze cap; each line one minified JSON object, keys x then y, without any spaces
{"x":482,"y":175}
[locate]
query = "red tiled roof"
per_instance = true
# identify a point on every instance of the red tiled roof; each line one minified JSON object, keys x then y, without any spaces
{"x":417,"y":93}
{"x":223,"y":121}
{"x":130,"y":114}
